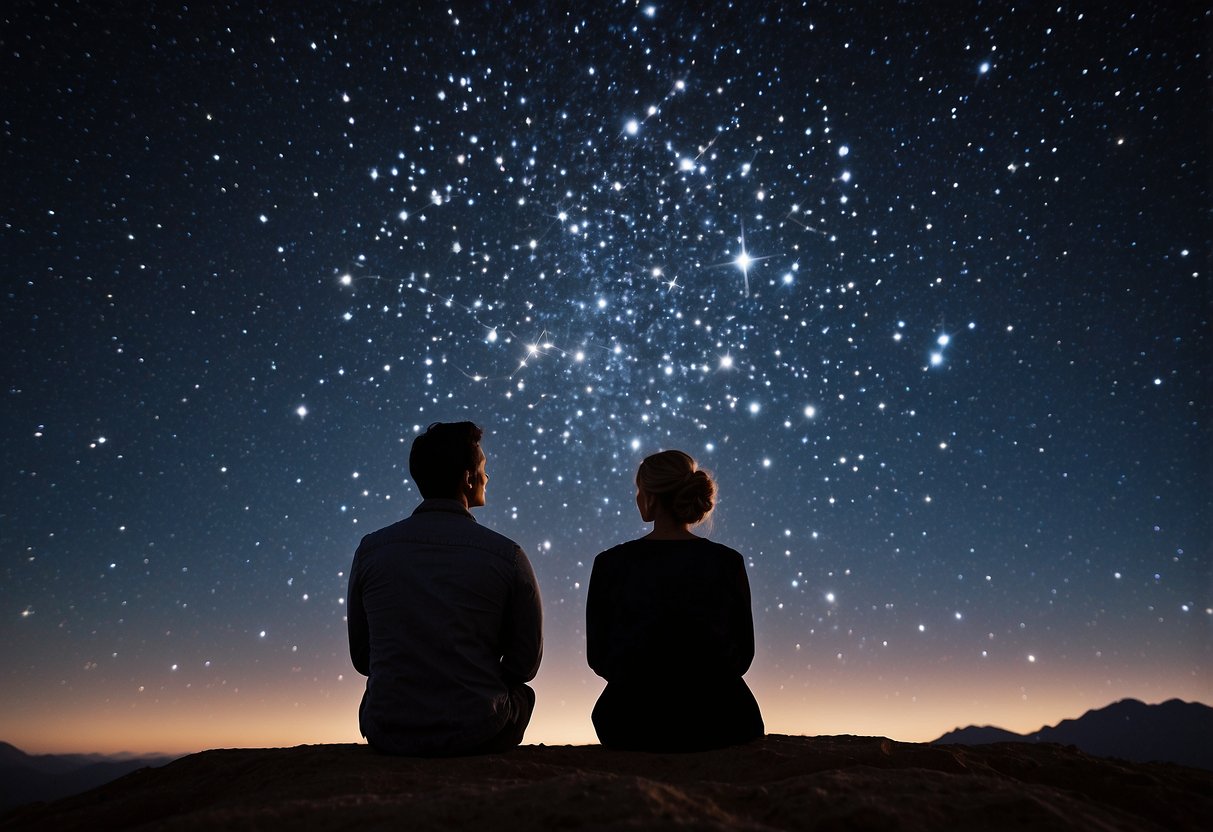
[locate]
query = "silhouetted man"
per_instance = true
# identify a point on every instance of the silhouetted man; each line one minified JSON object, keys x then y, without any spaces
{"x":444,"y":615}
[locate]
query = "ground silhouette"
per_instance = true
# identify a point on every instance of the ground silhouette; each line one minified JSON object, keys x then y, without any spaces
{"x":778,"y":782}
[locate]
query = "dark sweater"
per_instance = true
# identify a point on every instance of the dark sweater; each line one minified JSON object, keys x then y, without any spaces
{"x":668,"y":625}
{"x":669,"y":608}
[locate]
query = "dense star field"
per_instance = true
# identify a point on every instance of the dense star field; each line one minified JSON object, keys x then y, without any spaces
{"x":927,"y":290}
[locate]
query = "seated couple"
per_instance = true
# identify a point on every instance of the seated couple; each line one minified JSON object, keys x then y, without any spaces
{"x":445,"y":619}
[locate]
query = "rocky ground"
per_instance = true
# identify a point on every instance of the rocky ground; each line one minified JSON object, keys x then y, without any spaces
{"x":779,"y":782}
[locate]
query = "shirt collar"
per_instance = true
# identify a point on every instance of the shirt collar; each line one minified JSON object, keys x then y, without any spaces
{"x":445,"y":505}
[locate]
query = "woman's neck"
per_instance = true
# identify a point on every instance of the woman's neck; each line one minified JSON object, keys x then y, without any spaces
{"x":670,"y":529}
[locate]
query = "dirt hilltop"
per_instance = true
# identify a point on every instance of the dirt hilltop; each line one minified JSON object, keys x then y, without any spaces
{"x":778,"y":782}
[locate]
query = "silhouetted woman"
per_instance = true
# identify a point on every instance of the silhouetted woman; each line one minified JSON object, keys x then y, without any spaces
{"x":668,"y":624}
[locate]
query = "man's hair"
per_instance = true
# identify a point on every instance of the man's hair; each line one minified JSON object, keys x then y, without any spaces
{"x":441,"y":455}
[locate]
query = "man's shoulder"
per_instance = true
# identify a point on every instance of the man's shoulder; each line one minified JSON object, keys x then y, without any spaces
{"x":497,"y":538}
{"x":439,"y":528}
{"x":384,"y":536}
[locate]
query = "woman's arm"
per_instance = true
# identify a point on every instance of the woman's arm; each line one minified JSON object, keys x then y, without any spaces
{"x":743,"y":617}
{"x":597,"y":620}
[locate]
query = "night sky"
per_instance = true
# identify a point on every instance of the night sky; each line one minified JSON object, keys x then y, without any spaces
{"x":926,"y":289}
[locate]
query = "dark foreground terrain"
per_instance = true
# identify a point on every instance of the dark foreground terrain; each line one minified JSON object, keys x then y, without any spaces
{"x":779,"y":782}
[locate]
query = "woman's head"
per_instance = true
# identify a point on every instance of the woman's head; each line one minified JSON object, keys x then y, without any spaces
{"x":674,"y":481}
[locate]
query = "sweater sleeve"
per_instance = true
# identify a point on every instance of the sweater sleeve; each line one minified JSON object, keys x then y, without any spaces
{"x":743,"y":616}
{"x":597,"y":621}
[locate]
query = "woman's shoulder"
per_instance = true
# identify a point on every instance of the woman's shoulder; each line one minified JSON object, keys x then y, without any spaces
{"x":700,"y":547}
{"x":720,"y":550}
{"x":621,"y":550}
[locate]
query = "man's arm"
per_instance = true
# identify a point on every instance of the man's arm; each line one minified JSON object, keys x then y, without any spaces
{"x":355,"y":616}
{"x":522,"y":642}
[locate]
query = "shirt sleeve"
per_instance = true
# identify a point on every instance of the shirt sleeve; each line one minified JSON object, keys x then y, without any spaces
{"x":356,"y":624}
{"x":522,"y":642}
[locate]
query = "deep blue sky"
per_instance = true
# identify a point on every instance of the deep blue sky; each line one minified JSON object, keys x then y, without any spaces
{"x":957,"y":401}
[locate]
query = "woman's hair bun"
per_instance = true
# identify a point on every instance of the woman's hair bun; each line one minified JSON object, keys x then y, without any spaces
{"x":695,"y":499}
{"x":676,"y":480}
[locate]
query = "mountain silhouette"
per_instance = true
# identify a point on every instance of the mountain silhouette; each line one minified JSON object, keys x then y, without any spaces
{"x":28,"y":778}
{"x":1172,"y":732}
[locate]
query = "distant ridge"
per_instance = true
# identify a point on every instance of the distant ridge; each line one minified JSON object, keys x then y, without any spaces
{"x":30,"y":778}
{"x":1171,"y":732}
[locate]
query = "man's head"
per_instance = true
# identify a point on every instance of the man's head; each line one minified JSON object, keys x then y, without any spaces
{"x":446,"y":461}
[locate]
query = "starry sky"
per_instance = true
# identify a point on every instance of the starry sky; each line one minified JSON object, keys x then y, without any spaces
{"x":926,"y":289}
